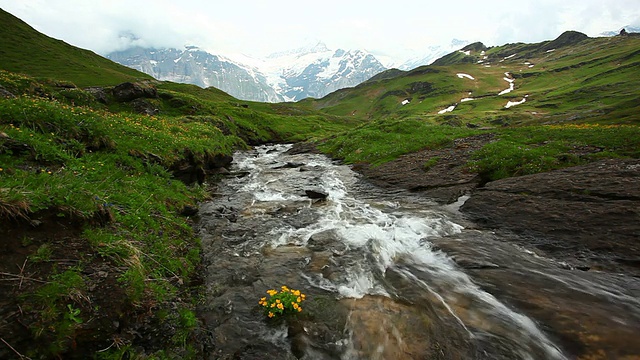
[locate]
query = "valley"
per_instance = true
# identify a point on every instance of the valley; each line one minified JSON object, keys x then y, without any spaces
{"x":492,"y":196}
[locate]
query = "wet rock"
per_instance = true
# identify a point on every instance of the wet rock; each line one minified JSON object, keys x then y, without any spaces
{"x":189,"y":210}
{"x":196,"y":167}
{"x":310,"y":168}
{"x":290,"y":165}
{"x":469,"y":263}
{"x":585,"y":215}
{"x":316,"y":194}
{"x":322,"y":240}
{"x":303,"y":148}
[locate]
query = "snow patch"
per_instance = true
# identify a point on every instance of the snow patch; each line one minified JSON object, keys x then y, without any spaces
{"x":405,"y":101}
{"x":508,"y":79}
{"x":461,"y":75}
{"x":530,"y":66}
{"x":514,"y":103}
{"x":467,"y":99}
{"x":153,"y":62}
{"x":552,"y":50}
{"x":468,"y":52}
{"x":509,"y":57}
{"x":449,"y":109}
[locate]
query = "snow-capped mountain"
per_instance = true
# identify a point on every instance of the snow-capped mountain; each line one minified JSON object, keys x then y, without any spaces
{"x":195,"y":66}
{"x":316,"y":71}
{"x":287,"y":76}
{"x":628,"y":29}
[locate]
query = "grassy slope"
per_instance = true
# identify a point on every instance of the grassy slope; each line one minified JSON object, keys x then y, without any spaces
{"x":24,"y":50}
{"x":66,"y":158}
{"x":82,"y":159}
{"x":584,"y":94}
{"x":593,"y":80}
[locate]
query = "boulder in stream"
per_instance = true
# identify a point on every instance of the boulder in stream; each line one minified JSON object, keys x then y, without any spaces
{"x":316,"y":194}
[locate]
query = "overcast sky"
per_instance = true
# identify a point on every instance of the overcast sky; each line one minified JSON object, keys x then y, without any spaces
{"x":259,"y":27}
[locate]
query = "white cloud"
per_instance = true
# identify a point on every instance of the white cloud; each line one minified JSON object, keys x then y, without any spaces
{"x":260,"y":27}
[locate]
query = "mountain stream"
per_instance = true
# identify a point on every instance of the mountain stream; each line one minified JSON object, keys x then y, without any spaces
{"x":388,"y":275}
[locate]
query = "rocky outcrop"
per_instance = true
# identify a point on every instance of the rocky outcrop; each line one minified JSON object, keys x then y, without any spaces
{"x":6,"y":94}
{"x":98,"y":93}
{"x":441,"y":174}
{"x":129,"y":91}
{"x":567,"y":38}
{"x":144,"y":107}
{"x":588,"y":216}
{"x":194,"y":168}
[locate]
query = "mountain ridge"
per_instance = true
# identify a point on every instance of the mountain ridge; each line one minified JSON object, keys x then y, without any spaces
{"x":284,"y":76}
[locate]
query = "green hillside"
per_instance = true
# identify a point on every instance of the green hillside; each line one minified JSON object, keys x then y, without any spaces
{"x":26,"y":51}
{"x":109,"y":183}
{"x":572,"y":78}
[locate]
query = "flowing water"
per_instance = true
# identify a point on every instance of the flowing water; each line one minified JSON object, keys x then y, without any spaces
{"x":389,"y":275}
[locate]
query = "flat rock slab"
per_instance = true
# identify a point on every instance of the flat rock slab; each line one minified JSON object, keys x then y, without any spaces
{"x":587,"y":215}
{"x":440,"y":174}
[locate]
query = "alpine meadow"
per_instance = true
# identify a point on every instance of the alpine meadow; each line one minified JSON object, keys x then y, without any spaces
{"x":104,"y":171}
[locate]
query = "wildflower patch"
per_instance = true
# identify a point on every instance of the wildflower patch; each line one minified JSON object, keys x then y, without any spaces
{"x":283,"y":302}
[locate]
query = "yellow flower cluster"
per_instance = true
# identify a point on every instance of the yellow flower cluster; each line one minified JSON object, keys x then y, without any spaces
{"x":282,"y":302}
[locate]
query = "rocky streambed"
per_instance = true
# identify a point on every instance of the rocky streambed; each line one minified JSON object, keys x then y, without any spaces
{"x":391,"y":274}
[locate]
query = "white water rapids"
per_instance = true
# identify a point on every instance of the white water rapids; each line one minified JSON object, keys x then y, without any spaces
{"x":375,"y":245}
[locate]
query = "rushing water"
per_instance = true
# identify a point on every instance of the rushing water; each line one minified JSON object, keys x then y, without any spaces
{"x":403,"y":271}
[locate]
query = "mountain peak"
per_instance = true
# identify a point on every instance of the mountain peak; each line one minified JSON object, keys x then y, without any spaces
{"x":313,"y":48}
{"x":565,"y":39}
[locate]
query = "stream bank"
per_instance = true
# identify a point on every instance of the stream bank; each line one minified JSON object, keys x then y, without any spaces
{"x":390,"y":274}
